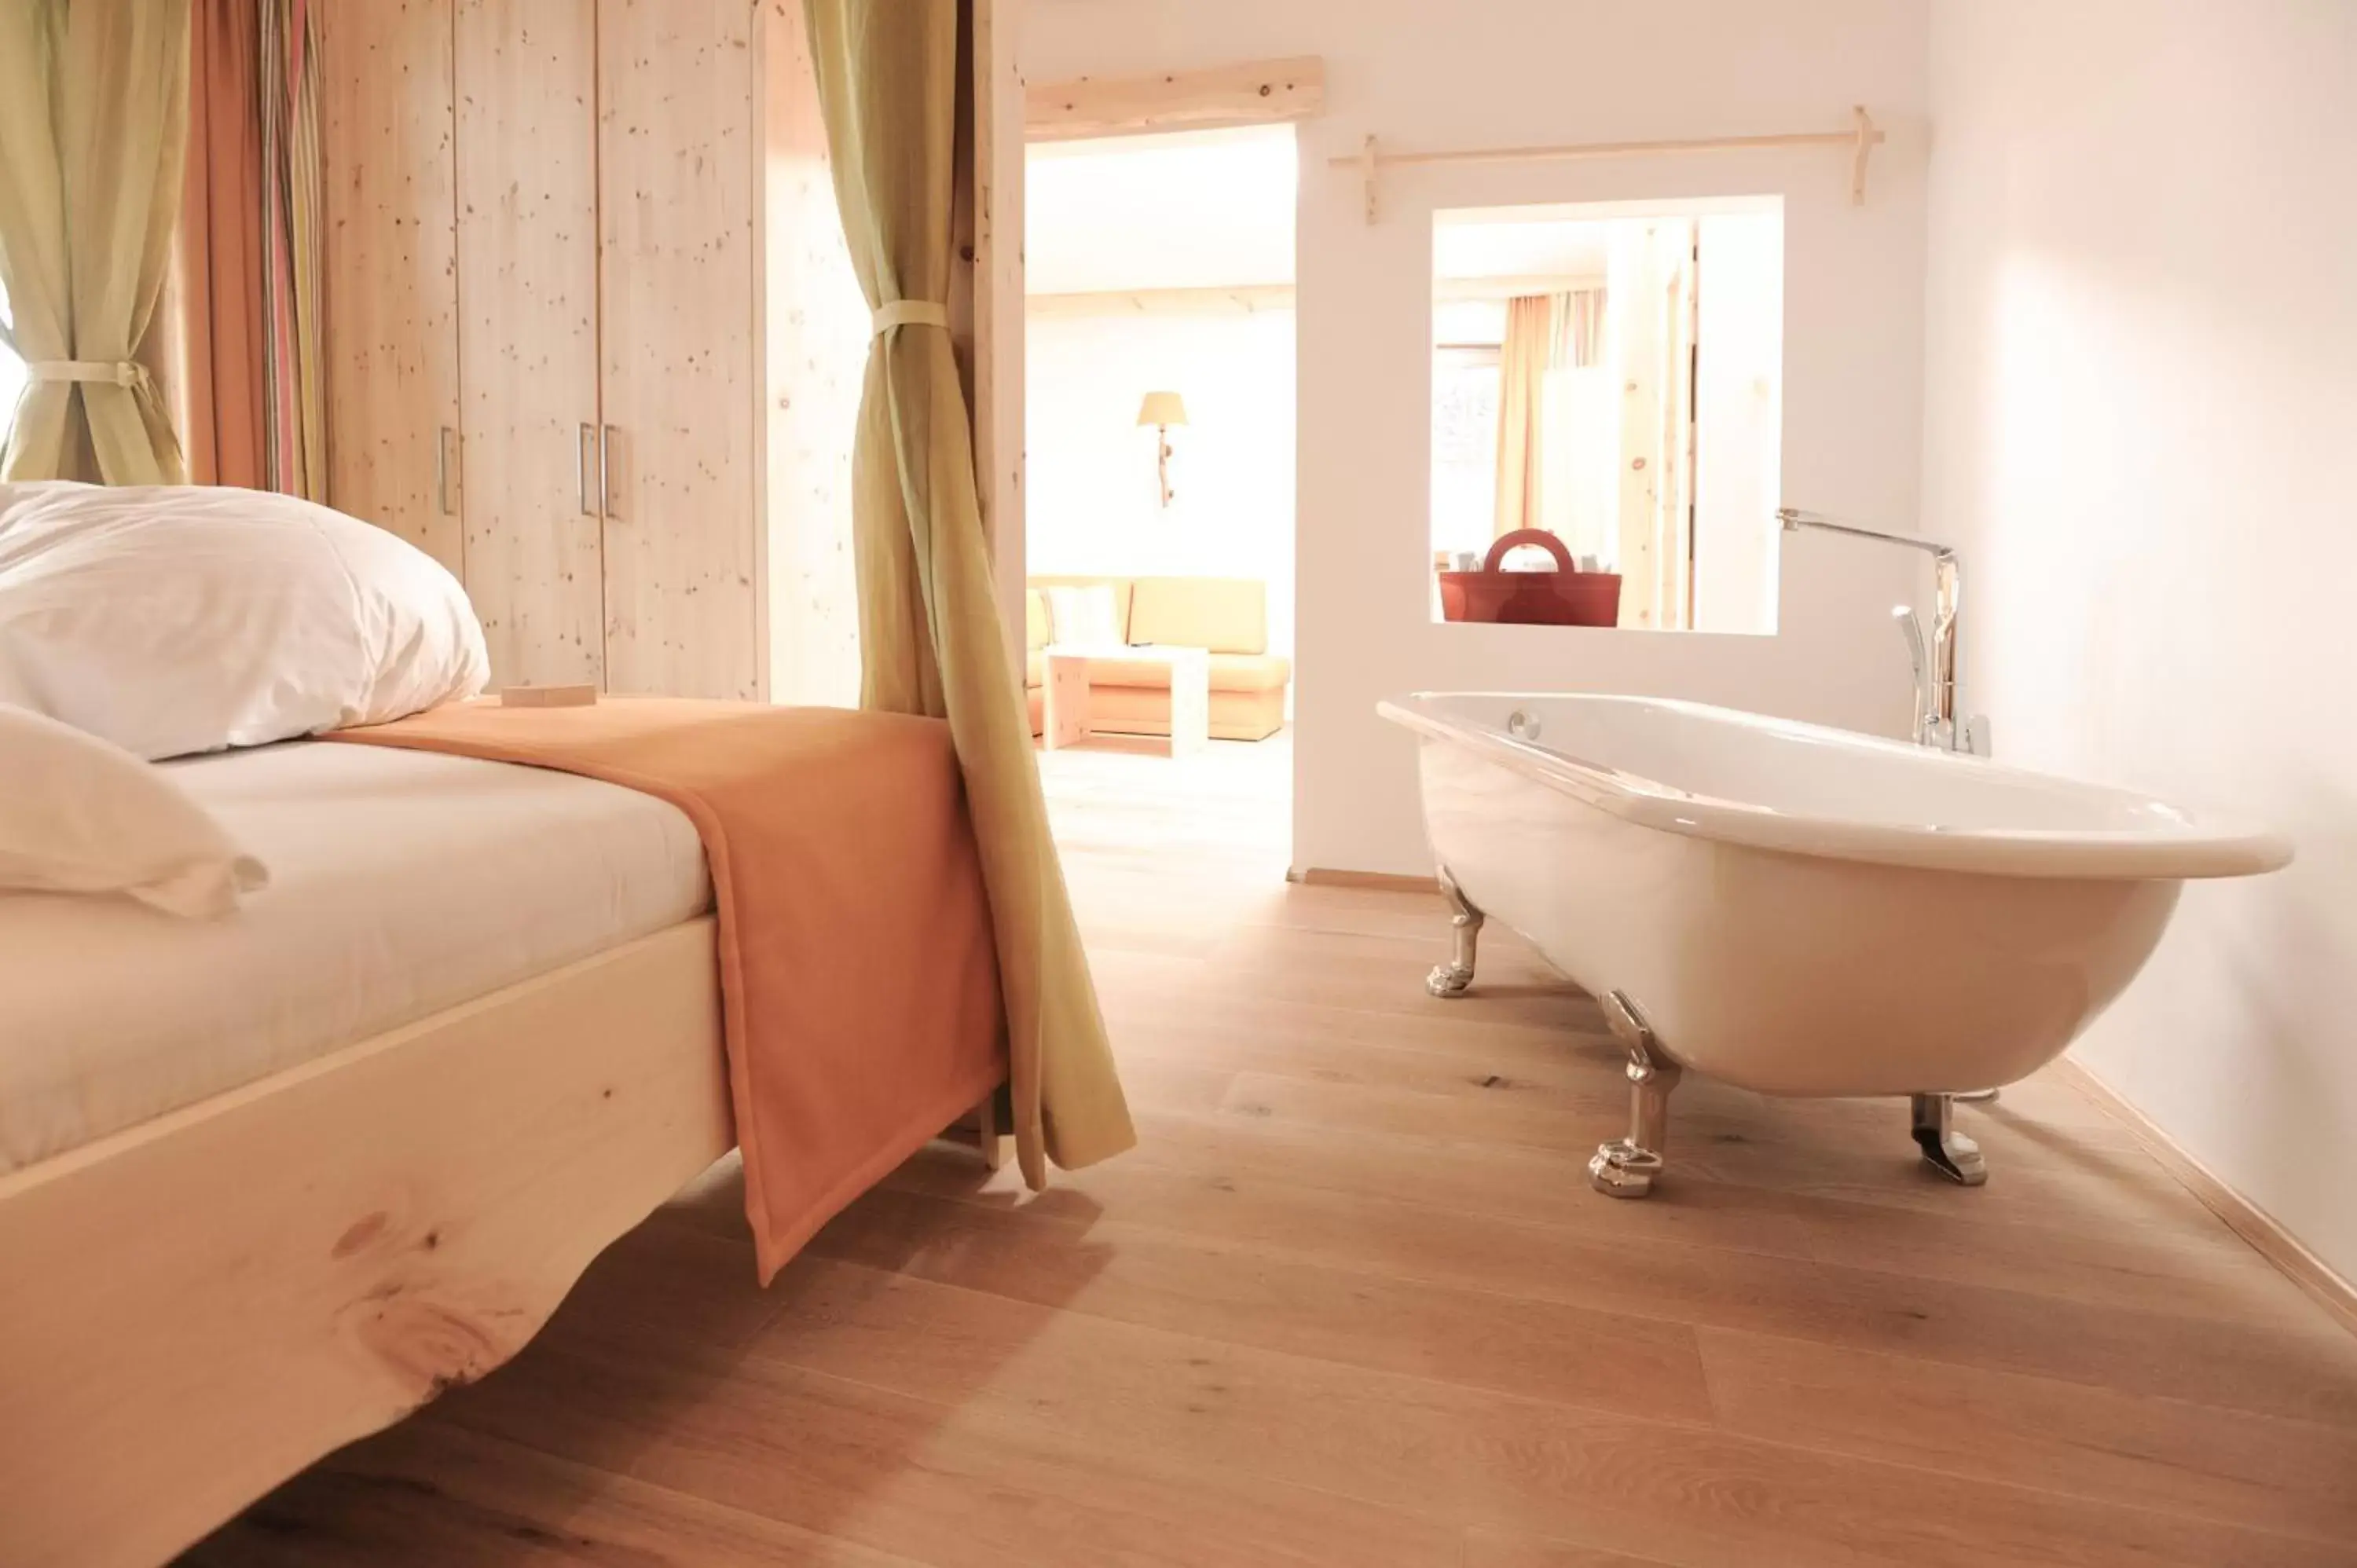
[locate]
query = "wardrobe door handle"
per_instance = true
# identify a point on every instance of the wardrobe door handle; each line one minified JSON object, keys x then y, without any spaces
{"x":606,"y":476}
{"x":586,"y":460}
{"x":442,"y":437}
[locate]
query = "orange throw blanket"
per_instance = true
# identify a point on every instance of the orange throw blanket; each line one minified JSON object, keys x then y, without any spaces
{"x":859,"y":986}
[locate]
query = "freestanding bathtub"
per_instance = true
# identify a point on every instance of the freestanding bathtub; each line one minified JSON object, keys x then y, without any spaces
{"x":1796,"y":910}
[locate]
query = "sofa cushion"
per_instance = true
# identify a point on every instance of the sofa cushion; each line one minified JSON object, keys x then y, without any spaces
{"x":1250,"y":672}
{"x":1121,"y":595}
{"x":1035,"y":622}
{"x":1084,"y":617}
{"x":1226,"y":615}
{"x":1035,"y":667}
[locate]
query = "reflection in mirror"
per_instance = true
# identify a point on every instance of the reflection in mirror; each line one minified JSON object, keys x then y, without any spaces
{"x":1607,"y":413}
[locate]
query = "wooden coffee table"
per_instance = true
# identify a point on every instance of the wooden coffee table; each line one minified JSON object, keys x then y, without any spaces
{"x":1064,"y":718}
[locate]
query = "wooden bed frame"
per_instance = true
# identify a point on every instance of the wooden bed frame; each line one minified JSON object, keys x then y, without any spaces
{"x":193,"y":1309}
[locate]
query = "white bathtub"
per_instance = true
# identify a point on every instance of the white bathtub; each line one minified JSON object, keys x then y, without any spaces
{"x":1797,"y":910}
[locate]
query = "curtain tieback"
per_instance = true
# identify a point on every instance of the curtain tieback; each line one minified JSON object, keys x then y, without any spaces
{"x":129,"y":374}
{"x":908,"y":313}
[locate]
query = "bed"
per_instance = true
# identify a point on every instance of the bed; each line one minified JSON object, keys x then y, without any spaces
{"x":267,"y":1186}
{"x":346,"y":1014}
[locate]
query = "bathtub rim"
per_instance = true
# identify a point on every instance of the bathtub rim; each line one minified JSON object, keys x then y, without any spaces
{"x":2193,"y":848}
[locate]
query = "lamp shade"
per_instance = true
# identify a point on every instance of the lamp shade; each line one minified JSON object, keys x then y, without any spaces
{"x":1162,"y":408}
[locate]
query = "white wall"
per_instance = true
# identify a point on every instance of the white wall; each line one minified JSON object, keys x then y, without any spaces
{"x":1196,"y":209}
{"x":2143,"y":325}
{"x":1422,"y":75}
{"x":1092,"y":504}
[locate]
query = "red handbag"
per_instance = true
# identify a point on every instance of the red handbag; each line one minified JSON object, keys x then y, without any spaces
{"x":1565,"y":597}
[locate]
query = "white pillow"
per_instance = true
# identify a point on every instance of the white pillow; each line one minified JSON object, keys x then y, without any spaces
{"x":178,"y":619}
{"x":78,"y":815}
{"x":1084,"y":616}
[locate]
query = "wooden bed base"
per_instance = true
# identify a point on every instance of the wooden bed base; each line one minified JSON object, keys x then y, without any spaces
{"x":195,"y":1308}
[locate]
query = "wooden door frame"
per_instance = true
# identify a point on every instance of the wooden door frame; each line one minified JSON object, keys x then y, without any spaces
{"x":988,"y":321}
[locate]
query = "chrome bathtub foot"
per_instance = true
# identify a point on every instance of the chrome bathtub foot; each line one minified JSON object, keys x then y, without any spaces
{"x":1450,"y":979}
{"x":1626,"y":1167}
{"x":1947,"y":1151}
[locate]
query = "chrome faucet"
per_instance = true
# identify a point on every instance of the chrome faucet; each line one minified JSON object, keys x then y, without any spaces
{"x":1936,"y":720}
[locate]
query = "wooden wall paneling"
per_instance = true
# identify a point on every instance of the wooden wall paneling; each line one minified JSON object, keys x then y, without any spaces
{"x":815,"y":352}
{"x":391,"y":269}
{"x":1640,"y":273}
{"x":528,"y":270}
{"x":678,"y":141}
{"x":1674,"y":597}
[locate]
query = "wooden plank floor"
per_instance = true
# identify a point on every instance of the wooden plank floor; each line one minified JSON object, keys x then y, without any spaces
{"x":1351,"y":1302}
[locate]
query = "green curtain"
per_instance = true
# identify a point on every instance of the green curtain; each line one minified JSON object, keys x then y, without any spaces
{"x":94,"y":130}
{"x":929,"y":630}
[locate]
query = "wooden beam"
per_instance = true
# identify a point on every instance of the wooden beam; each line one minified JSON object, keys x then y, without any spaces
{"x":1256,"y":93}
{"x":996,"y":279}
{"x":1674,"y":596}
{"x":1640,"y":292}
{"x":1859,"y":140}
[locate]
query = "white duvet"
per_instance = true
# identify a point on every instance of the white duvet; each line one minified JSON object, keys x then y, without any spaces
{"x":172,"y":619}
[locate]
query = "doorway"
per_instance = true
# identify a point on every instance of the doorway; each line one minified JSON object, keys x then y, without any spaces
{"x":1159,"y":412}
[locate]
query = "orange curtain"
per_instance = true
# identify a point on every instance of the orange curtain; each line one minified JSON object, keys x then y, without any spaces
{"x":295,"y":431}
{"x":220,"y":244}
{"x":1523,"y":355}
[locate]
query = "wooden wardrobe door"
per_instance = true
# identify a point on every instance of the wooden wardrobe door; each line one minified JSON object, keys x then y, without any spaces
{"x":528,"y":345}
{"x":390,"y":279}
{"x":677,"y":174}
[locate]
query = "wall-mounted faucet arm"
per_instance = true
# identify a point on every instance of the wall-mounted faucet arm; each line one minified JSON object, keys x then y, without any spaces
{"x":1793,"y":518}
{"x":1936,"y":720}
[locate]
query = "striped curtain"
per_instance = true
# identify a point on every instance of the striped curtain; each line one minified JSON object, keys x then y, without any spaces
{"x":219,"y":377}
{"x":1579,"y":329}
{"x":295,"y":425}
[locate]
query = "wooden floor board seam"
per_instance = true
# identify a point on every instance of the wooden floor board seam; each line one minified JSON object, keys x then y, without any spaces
{"x":2252,"y":1225}
{"x":1003,"y":1424}
{"x":1565,"y":1230}
{"x":1669,"y":1424}
{"x":1570,"y":1168}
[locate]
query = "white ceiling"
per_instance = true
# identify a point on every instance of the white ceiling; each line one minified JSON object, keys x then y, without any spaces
{"x":1204,"y":209}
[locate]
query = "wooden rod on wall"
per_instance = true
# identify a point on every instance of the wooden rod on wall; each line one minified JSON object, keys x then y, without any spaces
{"x":1256,"y":93}
{"x":1863,"y":136}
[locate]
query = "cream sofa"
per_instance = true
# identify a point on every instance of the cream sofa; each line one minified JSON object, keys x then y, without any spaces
{"x":1228,"y":616}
